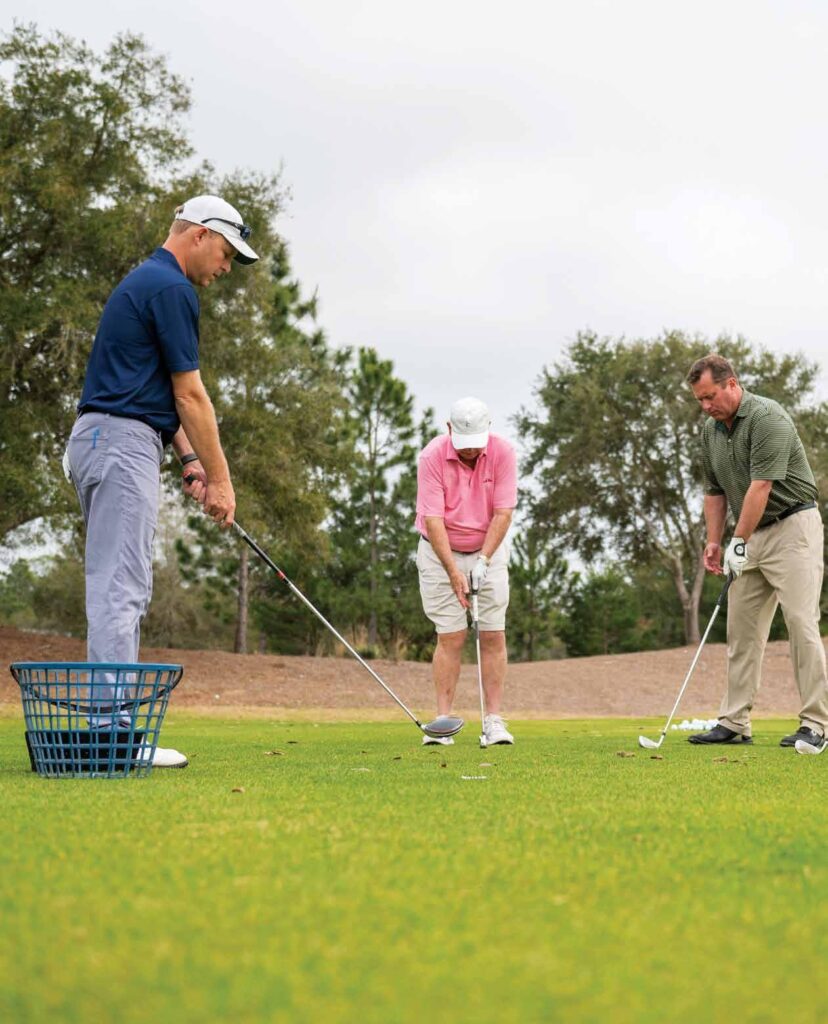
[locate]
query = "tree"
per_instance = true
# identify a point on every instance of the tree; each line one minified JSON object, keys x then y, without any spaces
{"x":604,"y":615}
{"x":537,"y":579}
{"x":88,"y":147}
{"x":278,"y":393}
{"x":616,"y":452}
{"x":372,"y":569}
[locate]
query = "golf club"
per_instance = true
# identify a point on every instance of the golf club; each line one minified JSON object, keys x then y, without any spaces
{"x":476,"y":624}
{"x":803,"y":747}
{"x":445,"y":725}
{"x":649,"y":744}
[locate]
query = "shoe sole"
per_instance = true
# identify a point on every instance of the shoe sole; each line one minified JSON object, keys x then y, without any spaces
{"x":719,"y":743}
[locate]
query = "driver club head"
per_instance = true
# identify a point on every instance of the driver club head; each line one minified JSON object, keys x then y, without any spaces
{"x":649,"y":744}
{"x":444,"y":725}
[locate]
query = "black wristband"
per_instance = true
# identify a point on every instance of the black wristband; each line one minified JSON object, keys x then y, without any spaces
{"x":189,"y":457}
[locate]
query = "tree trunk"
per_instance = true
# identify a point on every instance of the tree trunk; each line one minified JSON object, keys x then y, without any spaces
{"x":690,"y":599}
{"x":372,"y":615}
{"x":240,"y":645}
{"x":695,"y":597}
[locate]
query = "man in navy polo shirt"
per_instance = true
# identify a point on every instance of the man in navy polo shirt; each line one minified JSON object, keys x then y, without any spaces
{"x":143,"y":390}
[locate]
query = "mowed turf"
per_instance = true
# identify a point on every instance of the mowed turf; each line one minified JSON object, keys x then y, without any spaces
{"x":359,"y":877}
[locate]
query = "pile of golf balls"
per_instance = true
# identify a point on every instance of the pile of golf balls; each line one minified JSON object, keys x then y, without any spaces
{"x":696,"y":723}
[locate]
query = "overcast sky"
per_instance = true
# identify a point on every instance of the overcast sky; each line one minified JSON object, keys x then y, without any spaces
{"x":475,"y":182}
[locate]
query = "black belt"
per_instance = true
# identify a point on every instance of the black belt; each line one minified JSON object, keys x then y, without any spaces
{"x":453,"y":551}
{"x":788,"y":512}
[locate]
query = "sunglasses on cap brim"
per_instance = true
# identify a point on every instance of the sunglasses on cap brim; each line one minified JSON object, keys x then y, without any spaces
{"x":244,"y":231}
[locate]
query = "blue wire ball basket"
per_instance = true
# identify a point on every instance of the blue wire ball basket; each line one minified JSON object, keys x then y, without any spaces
{"x":93,"y":720}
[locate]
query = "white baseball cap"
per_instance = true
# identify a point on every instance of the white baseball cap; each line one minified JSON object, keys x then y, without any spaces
{"x":216,"y":214}
{"x":470,"y":421}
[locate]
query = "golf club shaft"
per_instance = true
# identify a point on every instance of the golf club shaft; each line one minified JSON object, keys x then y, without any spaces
{"x":719,"y":604}
{"x":245,"y":536}
{"x":476,"y":621}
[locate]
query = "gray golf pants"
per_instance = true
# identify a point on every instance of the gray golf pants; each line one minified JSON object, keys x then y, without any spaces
{"x":115,"y":465}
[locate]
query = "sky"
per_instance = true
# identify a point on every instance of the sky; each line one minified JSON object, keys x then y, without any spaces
{"x":473,"y":183}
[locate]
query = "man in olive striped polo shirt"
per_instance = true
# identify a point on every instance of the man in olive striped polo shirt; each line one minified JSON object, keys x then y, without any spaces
{"x":755,"y":464}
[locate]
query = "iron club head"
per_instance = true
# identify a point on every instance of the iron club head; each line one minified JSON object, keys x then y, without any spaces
{"x":444,"y":725}
{"x":649,"y":744}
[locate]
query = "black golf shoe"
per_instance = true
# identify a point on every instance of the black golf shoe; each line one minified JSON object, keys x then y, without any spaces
{"x":720,"y":734}
{"x":803,"y":733}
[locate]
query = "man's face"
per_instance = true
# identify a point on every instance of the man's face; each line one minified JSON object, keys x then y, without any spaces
{"x":718,"y":400}
{"x":468,"y":454}
{"x":210,"y":257}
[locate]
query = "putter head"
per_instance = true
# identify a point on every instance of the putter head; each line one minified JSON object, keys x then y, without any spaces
{"x":648,"y":744}
{"x":445,"y":725}
{"x":483,"y":741}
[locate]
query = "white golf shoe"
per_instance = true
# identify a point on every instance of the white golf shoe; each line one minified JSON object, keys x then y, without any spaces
{"x":164,"y":757}
{"x":438,"y":741}
{"x":495,"y":731}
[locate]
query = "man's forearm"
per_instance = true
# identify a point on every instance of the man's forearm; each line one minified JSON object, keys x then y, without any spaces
{"x":199,"y":421}
{"x":181,"y":443}
{"x":715,"y":514}
{"x":753,"y":508}
{"x":438,"y":539}
{"x":498,"y":528}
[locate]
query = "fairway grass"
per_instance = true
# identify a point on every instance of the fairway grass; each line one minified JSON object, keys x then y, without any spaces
{"x":360,"y":877}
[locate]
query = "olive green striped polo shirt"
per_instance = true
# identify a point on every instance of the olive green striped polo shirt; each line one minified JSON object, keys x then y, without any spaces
{"x":762,"y":444}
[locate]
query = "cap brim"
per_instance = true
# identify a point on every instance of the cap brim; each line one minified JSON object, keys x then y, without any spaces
{"x":470,"y":440}
{"x":244,"y":254}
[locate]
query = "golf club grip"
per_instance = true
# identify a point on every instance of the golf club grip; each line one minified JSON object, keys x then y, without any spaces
{"x":725,"y":588}
{"x":245,"y":536}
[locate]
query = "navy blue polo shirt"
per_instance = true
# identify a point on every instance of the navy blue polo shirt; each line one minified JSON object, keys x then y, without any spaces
{"x":148,"y":330}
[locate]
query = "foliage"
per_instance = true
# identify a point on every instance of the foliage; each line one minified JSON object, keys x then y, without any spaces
{"x":536,"y":586}
{"x":17,"y":588}
{"x":615,"y":453}
{"x":88,"y":147}
{"x":278,"y":393}
{"x":371,"y":582}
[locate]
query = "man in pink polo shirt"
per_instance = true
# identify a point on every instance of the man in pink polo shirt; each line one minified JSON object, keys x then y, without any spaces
{"x":466,"y":492}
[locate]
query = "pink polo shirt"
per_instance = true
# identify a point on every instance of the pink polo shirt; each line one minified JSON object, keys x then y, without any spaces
{"x":465,"y":498}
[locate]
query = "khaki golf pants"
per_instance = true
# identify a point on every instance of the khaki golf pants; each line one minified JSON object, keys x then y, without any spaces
{"x":785,"y":566}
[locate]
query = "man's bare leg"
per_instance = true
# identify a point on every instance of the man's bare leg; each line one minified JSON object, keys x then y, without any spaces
{"x":445,"y":668}
{"x":493,"y":662}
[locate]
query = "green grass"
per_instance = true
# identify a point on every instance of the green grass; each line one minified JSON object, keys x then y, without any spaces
{"x":359,"y":877}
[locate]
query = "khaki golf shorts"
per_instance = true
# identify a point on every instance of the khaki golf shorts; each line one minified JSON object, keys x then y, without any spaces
{"x":440,"y":602}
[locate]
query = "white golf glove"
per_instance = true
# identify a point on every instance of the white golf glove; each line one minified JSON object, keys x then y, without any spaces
{"x":479,"y":572}
{"x":735,"y":558}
